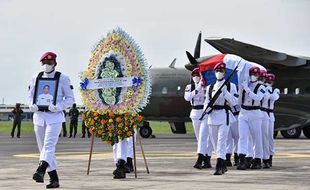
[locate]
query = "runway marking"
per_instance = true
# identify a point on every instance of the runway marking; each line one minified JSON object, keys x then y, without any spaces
{"x":149,"y":155}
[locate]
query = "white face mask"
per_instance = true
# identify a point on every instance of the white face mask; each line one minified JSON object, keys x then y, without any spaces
{"x":219,"y":75}
{"x":196,"y":79}
{"x":253,"y":78}
{"x":268,"y":84}
{"x":48,"y":68}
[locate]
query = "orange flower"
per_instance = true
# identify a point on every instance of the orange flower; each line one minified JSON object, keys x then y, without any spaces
{"x":119,"y":132}
{"x":139,"y":118}
{"x":92,"y":122}
{"x":95,"y":114}
{"x":111,"y":114}
{"x":126,"y":123}
{"x":99,"y":132}
{"x":110,"y":128}
{"x":129,"y":133}
{"x":109,"y":142}
{"x":126,"y":115}
{"x":103,"y":121}
{"x":118,"y":119}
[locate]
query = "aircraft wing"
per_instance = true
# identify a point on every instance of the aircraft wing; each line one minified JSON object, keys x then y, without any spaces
{"x":265,"y":57}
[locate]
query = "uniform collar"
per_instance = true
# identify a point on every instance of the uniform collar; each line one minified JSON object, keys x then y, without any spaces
{"x":49,"y":75}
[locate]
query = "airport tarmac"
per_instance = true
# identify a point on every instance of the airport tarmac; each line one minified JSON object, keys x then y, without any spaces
{"x":170,"y":159}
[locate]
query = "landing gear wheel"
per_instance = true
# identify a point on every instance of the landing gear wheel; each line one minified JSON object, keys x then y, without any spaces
{"x":146,"y":131}
{"x":291,"y":133}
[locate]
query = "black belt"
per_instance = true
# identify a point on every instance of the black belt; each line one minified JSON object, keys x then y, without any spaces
{"x":198,"y":107}
{"x":267,"y":110}
{"x":250,"y":107}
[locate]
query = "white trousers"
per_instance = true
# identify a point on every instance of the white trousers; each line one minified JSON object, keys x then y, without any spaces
{"x":265,"y":138}
{"x":196,"y":125}
{"x":204,"y":145}
{"x":47,"y":138}
{"x":120,"y":150}
{"x":271,"y":140}
{"x":233,"y":138}
{"x":219,"y":135}
{"x":250,"y":129}
{"x":250,"y":152}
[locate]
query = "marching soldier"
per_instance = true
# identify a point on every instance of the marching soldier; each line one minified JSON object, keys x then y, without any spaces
{"x":17,"y":111}
{"x":120,"y":152}
{"x":220,"y":116}
{"x":48,"y":123}
{"x":250,"y":119}
{"x":274,"y":96}
{"x":194,"y":93}
{"x":74,"y":115}
{"x":266,"y":120}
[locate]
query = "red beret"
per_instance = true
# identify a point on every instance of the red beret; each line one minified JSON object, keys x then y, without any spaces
{"x":263,"y":73}
{"x":48,"y":56}
{"x":254,"y":70}
{"x":220,"y":65}
{"x":195,"y":71}
{"x":271,"y":77}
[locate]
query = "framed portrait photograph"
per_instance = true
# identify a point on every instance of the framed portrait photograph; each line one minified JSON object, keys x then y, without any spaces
{"x":45,"y":93}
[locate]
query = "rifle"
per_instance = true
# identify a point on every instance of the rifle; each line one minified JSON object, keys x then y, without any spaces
{"x":209,"y":108}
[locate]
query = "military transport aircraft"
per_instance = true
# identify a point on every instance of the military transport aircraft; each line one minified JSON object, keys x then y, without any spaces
{"x":292,"y":74}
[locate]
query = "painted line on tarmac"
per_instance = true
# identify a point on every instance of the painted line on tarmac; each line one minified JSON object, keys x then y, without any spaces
{"x":149,"y":155}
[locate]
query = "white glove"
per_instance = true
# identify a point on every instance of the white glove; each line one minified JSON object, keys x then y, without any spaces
{"x":54,"y":108}
{"x":245,"y":86}
{"x":199,"y":86}
{"x":34,"y":108}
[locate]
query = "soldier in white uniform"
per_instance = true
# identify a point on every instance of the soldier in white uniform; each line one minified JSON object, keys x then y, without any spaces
{"x":250,"y":119}
{"x":274,"y":96}
{"x":220,"y":117}
{"x":120,"y":152}
{"x":47,"y":124}
{"x":194,"y":94}
{"x":45,"y":99}
{"x":266,"y":120}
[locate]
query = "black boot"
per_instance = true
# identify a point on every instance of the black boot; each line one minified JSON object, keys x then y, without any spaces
{"x":38,"y":176}
{"x":129,"y":165}
{"x":199,"y":161}
{"x":270,"y":160}
{"x":119,"y":172}
{"x":266,"y":164}
{"x":207,"y":162}
{"x":242,"y":162}
{"x":236,"y":159}
{"x":249,"y":162}
{"x":257,"y":164}
{"x":224,"y":166}
{"x":228,"y":161}
{"x":219,"y":167}
{"x":54,"y":181}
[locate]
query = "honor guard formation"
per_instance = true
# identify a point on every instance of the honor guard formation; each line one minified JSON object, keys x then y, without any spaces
{"x":240,"y":122}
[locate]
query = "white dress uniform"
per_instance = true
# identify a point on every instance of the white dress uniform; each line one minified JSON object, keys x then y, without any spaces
{"x":47,"y":125}
{"x":250,"y":119}
{"x":196,"y":96}
{"x":274,"y":96}
{"x":44,"y":99}
{"x":220,"y":119}
{"x":265,"y":124}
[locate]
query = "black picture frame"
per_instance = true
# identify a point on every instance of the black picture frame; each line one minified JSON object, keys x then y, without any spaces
{"x":45,"y":93}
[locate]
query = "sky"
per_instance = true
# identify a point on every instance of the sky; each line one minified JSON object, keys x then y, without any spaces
{"x":164,"y":29}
